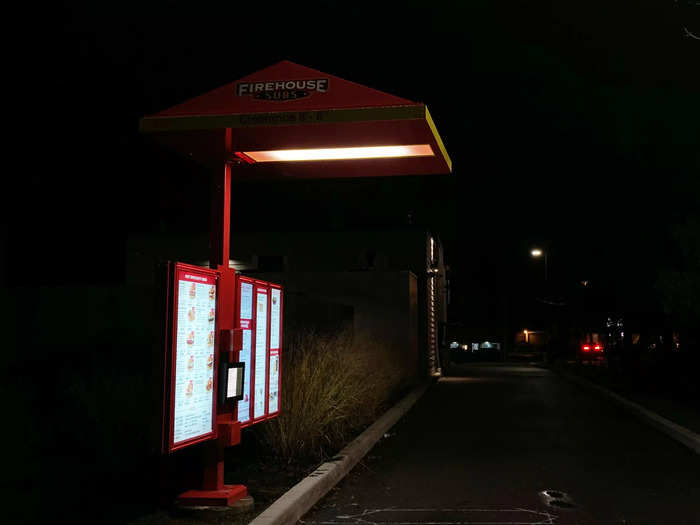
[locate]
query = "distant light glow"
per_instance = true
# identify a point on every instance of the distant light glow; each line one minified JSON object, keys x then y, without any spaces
{"x":586,"y":348}
{"x":368,"y":152}
{"x":536,"y":252}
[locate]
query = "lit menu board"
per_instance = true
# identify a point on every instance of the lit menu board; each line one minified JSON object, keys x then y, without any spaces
{"x":259,"y":316}
{"x":260,"y":352}
{"x":273,"y":389}
{"x":195,"y":332}
{"x":245,"y":322}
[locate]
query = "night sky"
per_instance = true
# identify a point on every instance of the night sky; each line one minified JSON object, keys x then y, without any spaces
{"x":573,"y":125}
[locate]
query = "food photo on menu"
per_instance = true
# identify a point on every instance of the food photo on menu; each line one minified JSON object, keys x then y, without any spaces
{"x":193,"y":291}
{"x":212,"y":292}
{"x":212,"y":315}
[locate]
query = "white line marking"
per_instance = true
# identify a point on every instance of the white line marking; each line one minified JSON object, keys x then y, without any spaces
{"x":544,"y":518}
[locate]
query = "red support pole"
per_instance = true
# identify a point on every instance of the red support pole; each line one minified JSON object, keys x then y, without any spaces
{"x":220,"y":239}
{"x":214,"y":491}
{"x":213,"y":477}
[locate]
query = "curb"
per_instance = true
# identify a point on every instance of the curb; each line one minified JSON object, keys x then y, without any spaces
{"x":293,"y":504}
{"x":681,"y":434}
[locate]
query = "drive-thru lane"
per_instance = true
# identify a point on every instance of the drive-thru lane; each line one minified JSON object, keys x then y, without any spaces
{"x":482,"y":447}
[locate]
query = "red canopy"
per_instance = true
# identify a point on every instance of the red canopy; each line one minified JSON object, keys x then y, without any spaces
{"x":288,"y":106}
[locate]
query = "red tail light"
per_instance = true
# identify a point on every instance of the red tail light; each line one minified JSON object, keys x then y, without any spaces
{"x":586,"y":348}
{"x":598,"y":348}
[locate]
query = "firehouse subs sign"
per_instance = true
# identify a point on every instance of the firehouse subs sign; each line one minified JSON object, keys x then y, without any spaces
{"x":282,"y":90}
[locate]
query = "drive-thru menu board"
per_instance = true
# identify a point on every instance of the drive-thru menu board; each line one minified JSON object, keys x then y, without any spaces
{"x":245,"y":323}
{"x":260,"y":351}
{"x":193,"y":356}
{"x":259,"y":316}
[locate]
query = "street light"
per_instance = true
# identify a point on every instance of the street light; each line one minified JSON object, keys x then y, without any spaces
{"x":536,"y":253}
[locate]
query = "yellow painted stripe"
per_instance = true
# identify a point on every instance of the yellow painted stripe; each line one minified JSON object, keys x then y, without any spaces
{"x":436,"y":135}
{"x":207,"y":122}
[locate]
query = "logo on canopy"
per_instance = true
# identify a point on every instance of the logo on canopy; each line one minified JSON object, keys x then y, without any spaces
{"x":282,"y":90}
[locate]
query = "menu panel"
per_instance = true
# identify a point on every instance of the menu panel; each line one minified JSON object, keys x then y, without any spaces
{"x":260,"y":353}
{"x":246,"y":300}
{"x":273,"y":394}
{"x":246,"y":320}
{"x":275,"y":328}
{"x":193,"y":388}
{"x":276,"y":294}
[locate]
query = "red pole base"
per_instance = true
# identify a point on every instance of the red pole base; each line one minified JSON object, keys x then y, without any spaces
{"x":225,"y":497}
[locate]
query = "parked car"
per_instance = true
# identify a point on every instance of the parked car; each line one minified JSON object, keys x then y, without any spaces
{"x":592,"y":350}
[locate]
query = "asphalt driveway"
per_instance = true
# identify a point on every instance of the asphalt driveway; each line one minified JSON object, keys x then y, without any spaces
{"x":484,"y":446}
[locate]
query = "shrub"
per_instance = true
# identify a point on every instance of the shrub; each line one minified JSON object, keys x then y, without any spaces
{"x":332,"y":387}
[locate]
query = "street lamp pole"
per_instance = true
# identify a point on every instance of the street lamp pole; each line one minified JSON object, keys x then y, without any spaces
{"x":545,"y":266}
{"x":536,"y":252}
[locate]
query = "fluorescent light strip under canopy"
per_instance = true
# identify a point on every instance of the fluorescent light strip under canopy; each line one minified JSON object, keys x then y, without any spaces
{"x":369,"y":152}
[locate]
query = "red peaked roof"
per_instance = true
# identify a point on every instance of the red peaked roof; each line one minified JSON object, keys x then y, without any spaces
{"x":287,"y":106}
{"x":341,"y":93}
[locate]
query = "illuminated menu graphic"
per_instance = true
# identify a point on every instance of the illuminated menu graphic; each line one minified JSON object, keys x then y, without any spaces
{"x":246,"y":309}
{"x":273,"y":392}
{"x":260,"y":353}
{"x":246,"y":300}
{"x":275,"y":318}
{"x":194,"y":356}
{"x":273,"y":395}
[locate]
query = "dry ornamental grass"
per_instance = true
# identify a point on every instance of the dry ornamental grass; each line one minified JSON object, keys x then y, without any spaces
{"x":332,"y":387}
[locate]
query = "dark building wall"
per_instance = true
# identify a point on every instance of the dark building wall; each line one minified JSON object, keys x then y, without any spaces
{"x":143,"y":252}
{"x":381,"y":256}
{"x":335,"y":251}
{"x":383,"y":307}
{"x":413,"y":318}
{"x":378,"y":251}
